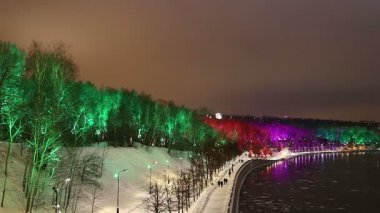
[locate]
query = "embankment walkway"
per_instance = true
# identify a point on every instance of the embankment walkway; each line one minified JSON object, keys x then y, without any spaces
{"x":216,"y":198}
{"x":226,"y":199}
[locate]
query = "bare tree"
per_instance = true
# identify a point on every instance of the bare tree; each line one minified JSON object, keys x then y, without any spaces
{"x":94,"y":196}
{"x":169,"y":198}
{"x":156,"y":201}
{"x":77,"y":171}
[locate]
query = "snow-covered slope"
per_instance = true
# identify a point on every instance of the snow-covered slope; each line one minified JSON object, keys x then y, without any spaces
{"x":134,"y":182}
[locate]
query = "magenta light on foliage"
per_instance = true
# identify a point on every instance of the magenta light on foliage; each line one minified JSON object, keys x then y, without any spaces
{"x":256,"y":136}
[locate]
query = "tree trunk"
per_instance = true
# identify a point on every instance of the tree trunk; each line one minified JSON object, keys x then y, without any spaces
{"x":93,"y":199}
{"x":5,"y":184}
{"x":6,"y":170}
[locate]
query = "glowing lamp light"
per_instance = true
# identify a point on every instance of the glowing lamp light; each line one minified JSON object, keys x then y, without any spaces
{"x":97,"y":132}
{"x":218,"y":116}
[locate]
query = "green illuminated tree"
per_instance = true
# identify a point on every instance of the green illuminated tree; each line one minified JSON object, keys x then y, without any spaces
{"x":12,"y":67}
{"x":183,"y":128}
{"x":85,"y":114}
{"x":349,"y":135}
{"x":50,"y":70}
{"x":109,"y":114}
{"x":122,"y":120}
{"x":169,"y":126}
{"x":80,"y":114}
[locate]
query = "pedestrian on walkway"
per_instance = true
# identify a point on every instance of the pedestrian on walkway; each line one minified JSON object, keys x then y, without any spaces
{"x":229,"y":173}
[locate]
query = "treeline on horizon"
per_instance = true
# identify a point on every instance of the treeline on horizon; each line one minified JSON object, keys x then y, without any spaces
{"x":308,"y":122}
{"x":263,"y":134}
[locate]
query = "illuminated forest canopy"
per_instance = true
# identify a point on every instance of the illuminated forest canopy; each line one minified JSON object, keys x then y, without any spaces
{"x":39,"y":92}
{"x":44,"y":82}
{"x":260,"y":135}
{"x":41,"y":85}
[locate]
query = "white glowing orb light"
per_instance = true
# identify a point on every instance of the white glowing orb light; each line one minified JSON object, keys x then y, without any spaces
{"x":218,"y":115}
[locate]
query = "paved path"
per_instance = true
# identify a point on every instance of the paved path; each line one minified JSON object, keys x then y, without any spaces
{"x":215,"y":198}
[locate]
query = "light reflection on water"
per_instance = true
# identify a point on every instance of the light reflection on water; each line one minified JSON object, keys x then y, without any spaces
{"x":332,"y":182}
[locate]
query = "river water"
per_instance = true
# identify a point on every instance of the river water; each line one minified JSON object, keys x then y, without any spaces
{"x":326,"y":182}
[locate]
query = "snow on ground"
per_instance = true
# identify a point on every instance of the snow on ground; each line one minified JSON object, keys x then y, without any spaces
{"x":215,"y":198}
{"x":134,"y":182}
{"x":14,"y":196}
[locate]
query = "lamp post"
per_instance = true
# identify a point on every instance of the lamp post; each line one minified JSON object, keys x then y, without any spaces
{"x":150,"y":176}
{"x":56,"y":206}
{"x":118,"y":188}
{"x":167,"y":174}
{"x":67,"y":181}
{"x":181,"y":164}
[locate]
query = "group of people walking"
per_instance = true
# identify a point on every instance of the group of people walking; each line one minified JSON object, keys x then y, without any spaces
{"x":225,"y":180}
{"x":222,"y":182}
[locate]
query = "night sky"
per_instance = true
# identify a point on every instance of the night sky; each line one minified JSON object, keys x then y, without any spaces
{"x":301,"y":58}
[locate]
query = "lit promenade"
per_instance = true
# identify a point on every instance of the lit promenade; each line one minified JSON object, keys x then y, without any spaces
{"x":216,"y":198}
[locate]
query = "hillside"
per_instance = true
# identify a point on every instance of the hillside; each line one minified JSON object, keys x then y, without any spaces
{"x":133,"y":183}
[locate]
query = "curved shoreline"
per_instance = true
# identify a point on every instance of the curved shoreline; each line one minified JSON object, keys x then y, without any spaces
{"x":254,"y":164}
{"x":241,"y":175}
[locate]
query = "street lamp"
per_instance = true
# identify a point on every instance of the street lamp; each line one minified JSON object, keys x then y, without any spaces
{"x":150,"y":176}
{"x":118,"y":188}
{"x":167,"y":175}
{"x":181,"y":164}
{"x":67,"y":181}
{"x":56,"y":206}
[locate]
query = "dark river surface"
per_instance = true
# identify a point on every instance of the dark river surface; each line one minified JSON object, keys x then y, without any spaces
{"x":328,"y":182}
